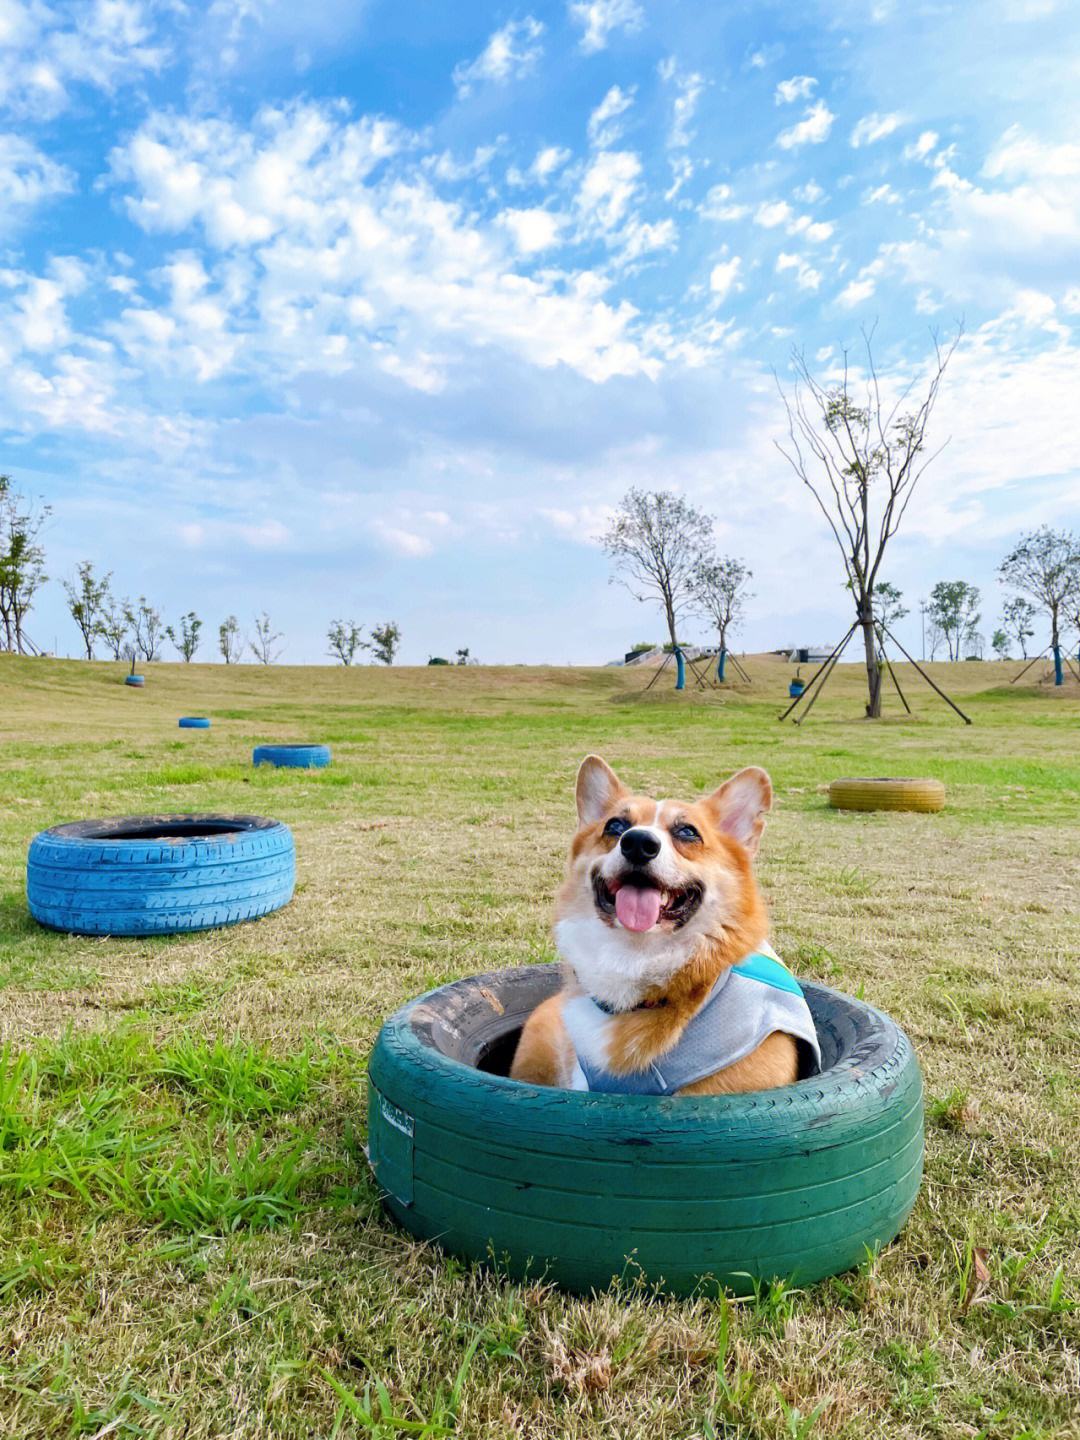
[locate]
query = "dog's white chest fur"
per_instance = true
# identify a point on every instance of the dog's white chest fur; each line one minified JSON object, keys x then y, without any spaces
{"x":616,"y":966}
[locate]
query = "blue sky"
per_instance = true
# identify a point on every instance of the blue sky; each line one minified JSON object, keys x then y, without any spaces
{"x":375,"y":310}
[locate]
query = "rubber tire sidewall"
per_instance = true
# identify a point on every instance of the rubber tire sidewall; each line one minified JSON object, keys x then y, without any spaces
{"x":691,"y":1193}
{"x":922,"y":795}
{"x":107,"y":887}
{"x":292,"y":757}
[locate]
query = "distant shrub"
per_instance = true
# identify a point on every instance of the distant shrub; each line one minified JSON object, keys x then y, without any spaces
{"x":438,"y":660}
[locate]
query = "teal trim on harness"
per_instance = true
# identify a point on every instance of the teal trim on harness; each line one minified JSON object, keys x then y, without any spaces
{"x":749,"y":1001}
{"x":769,"y":971}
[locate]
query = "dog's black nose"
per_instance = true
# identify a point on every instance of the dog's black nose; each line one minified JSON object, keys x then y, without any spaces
{"x":639,"y":846}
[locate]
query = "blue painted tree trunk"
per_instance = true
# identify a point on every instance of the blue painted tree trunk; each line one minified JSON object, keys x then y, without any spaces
{"x":680,"y":671}
{"x":1059,"y":671}
{"x":721,"y":665}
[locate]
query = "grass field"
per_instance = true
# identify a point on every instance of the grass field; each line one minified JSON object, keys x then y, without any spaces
{"x":189,"y":1244}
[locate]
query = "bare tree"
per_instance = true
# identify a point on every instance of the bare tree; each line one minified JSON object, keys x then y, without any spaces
{"x":1018,"y":620}
{"x":145,"y":625}
{"x":1045,"y":566}
{"x":87,"y":598}
{"x":230,"y":641}
{"x":657,"y":541}
{"x":264,"y":646}
{"x":187,"y":642}
{"x":345,"y":638}
{"x":861,"y":457}
{"x":385,"y":639}
{"x":719,"y":584}
{"x":22,"y":562}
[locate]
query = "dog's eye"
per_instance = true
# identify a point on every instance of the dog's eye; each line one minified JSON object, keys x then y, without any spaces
{"x":616,"y":825}
{"x":686,"y":832}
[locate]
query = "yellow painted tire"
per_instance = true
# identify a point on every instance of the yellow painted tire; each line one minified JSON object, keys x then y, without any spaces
{"x":921,"y":794}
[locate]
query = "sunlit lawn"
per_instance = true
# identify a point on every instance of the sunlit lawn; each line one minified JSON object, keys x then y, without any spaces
{"x":189,"y":1243}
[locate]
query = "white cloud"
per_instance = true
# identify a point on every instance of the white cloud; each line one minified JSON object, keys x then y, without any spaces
{"x":919,"y":149}
{"x":608,"y":188}
{"x":404,"y":542}
{"x":872,"y":128}
{"x":799,"y":87}
{"x":599,"y":18}
{"x":1013,"y":229}
{"x":718,"y":205}
{"x":585,"y":524}
{"x":533,"y":230}
{"x":881,"y":195}
{"x":810,"y":193}
{"x":806,"y":277}
{"x":772,"y":213}
{"x":548,"y":160}
{"x":46,"y":53}
{"x":811,"y":130}
{"x":511,"y":53}
{"x":724,"y":276}
{"x":856,"y":291}
{"x":28,"y":178}
{"x":604,"y":130}
{"x":689,"y":87}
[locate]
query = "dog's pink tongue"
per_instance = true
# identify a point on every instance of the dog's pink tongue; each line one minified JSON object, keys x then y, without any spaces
{"x":636,"y":908}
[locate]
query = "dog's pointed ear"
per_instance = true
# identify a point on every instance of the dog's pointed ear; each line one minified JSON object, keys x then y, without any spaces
{"x":598,"y":788}
{"x":739,"y":806}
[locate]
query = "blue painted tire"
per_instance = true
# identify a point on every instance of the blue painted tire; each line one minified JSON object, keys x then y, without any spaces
{"x":159,"y":874}
{"x":297,"y":757}
{"x":139,"y":680}
{"x":795,"y":689}
{"x":194,"y":722}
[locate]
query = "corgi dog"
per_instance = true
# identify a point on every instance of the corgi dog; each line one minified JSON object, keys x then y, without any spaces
{"x":671,"y":986}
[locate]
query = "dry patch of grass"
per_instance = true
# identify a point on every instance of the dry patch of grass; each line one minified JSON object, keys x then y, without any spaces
{"x":189,"y":1244}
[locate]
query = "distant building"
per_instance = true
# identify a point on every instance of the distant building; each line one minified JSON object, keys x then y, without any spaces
{"x":810,"y":654}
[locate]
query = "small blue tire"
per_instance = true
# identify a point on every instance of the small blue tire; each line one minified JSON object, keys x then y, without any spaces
{"x":795,"y":689}
{"x":298,"y":757}
{"x":138,"y":680}
{"x":159,"y":874}
{"x":194,"y":722}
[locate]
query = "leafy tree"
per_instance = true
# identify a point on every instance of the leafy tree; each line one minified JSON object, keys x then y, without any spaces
{"x":889,"y":604}
{"x":22,"y":562}
{"x":147,"y":630}
{"x":114,"y":629}
{"x":861,"y":456}
{"x":385,"y":639}
{"x":954,"y":610}
{"x":87,"y":599}
{"x":720,"y":583}
{"x":1045,"y":567}
{"x":230,"y":641}
{"x":1000,"y":643}
{"x":345,"y":638}
{"x":188,"y":640}
{"x":657,"y":541}
{"x":461,"y":657}
{"x":1018,"y":619}
{"x":264,"y":646}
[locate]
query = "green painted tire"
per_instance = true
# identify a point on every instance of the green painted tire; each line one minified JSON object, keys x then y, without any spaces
{"x":692,"y":1193}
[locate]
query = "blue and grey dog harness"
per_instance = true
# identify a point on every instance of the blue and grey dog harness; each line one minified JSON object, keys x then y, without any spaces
{"x":748,"y":1002}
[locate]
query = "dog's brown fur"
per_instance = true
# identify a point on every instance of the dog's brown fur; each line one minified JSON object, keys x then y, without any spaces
{"x":732,"y":923}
